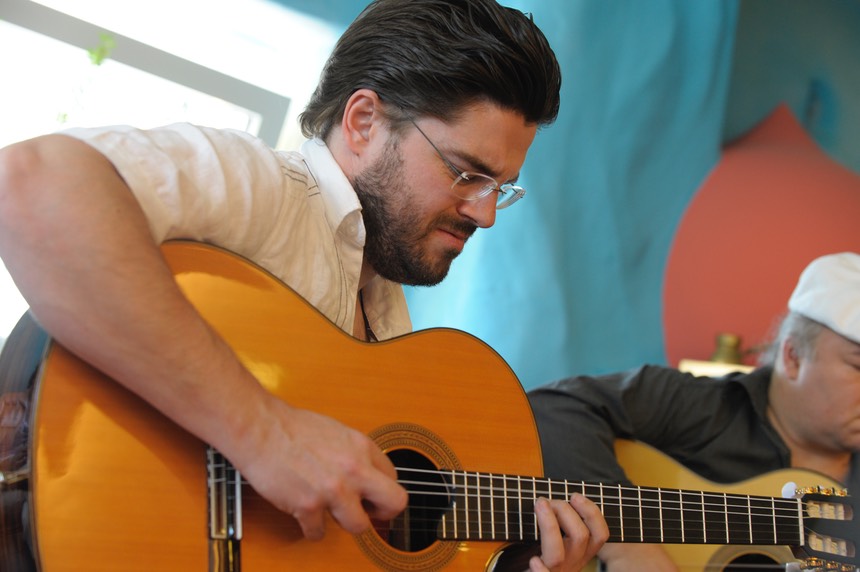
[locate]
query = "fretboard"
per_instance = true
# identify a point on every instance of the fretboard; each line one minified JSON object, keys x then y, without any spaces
{"x":501,"y":507}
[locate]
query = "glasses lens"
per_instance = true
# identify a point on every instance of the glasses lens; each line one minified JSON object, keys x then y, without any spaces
{"x":473,"y":186}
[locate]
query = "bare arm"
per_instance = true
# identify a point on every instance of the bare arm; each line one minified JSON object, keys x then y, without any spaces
{"x":79,"y":248}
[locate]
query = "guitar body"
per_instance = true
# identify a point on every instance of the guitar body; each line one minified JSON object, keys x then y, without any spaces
{"x":117,"y":486}
{"x":646,"y":466}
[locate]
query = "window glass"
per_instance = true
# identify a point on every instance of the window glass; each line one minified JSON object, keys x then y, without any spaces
{"x":255,"y":41}
{"x":71,"y":91}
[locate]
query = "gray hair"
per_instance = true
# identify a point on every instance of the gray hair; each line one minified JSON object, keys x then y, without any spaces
{"x":803,"y":331}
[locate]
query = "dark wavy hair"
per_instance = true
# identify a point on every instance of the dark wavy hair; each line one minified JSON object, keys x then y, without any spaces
{"x":435,"y":57}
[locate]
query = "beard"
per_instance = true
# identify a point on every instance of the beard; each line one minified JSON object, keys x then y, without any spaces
{"x":395,"y":246}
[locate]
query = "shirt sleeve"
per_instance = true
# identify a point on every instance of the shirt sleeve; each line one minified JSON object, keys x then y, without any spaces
{"x":693,"y":420}
{"x":195,"y":182}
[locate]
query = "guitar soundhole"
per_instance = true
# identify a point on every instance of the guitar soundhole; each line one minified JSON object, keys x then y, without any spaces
{"x":751,"y":563}
{"x":415,"y":528}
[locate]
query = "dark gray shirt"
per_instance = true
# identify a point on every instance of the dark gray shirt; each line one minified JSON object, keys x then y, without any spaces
{"x":716,"y":427}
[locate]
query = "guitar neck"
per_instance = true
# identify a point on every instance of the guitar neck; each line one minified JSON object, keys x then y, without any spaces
{"x":501,"y":507}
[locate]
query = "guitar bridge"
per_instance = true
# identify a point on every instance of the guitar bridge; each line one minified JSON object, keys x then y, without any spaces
{"x":224,"y":484}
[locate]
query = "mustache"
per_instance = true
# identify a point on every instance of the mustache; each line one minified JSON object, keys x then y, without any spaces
{"x":457,"y":227}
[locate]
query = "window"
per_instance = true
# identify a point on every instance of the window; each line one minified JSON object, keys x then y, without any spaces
{"x":244,"y":64}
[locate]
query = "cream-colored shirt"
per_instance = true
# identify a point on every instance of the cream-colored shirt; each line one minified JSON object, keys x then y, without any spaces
{"x":293,"y":213}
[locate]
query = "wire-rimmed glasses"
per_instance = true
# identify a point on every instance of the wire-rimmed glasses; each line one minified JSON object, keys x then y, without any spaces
{"x":471,"y":186}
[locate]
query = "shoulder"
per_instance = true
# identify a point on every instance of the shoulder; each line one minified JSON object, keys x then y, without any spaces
{"x":179,"y":143}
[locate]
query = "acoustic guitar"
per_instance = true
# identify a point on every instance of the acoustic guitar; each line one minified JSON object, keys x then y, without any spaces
{"x":111,"y":484}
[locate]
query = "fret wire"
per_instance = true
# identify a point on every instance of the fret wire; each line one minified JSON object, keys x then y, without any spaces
{"x":534,"y":501}
{"x":480,"y":496}
{"x":683,"y":526}
{"x":488,"y":502}
{"x":749,"y":518}
{"x":621,"y":512}
{"x":602,"y":503}
{"x":520,"y":504}
{"x":456,"y":518}
{"x":444,"y":523}
{"x":507,"y":519}
{"x":726,"y":512}
{"x":468,"y":519}
{"x":773,"y":513}
{"x":492,"y":510}
{"x":660,"y":502}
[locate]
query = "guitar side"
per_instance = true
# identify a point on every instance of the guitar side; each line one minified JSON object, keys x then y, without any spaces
{"x":118,"y":486}
{"x":21,"y":355}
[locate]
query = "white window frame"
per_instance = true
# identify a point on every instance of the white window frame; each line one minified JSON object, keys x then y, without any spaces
{"x":271,"y":107}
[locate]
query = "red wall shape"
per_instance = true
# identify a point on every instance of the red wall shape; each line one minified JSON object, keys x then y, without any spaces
{"x":774,"y":202}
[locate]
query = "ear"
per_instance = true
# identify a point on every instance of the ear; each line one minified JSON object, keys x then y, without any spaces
{"x":790,"y":358}
{"x":362,"y":120}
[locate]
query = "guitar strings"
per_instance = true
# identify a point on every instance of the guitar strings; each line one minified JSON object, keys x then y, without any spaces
{"x":789,"y":506}
{"x":390,"y":530}
{"x":428,"y":528}
{"x":780,"y":510}
{"x":445,"y":489}
{"x":478,"y":494}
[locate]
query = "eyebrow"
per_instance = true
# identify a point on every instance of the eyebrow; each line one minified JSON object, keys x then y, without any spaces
{"x":478,"y":165}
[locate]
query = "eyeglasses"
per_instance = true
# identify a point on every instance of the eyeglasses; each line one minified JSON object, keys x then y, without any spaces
{"x":471,"y":186}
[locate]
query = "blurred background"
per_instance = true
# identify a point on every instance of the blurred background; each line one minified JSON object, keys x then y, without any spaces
{"x":705,"y":152}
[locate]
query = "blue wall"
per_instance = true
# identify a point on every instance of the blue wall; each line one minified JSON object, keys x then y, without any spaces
{"x":570,"y":279}
{"x":805,"y":54}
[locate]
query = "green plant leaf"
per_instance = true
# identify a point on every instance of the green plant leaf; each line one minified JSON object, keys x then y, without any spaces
{"x":103,"y":50}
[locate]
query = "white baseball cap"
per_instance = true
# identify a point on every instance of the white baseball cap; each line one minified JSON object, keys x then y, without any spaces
{"x":828,"y":292}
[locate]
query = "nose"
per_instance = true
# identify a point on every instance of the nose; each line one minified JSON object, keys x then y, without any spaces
{"x":482,"y":212}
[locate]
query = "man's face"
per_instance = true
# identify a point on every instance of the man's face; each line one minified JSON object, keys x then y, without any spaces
{"x":828,"y":392}
{"x":416,"y":225}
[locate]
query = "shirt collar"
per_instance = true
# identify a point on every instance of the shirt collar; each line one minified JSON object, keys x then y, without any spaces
{"x":341,"y":203}
{"x":385,"y":303}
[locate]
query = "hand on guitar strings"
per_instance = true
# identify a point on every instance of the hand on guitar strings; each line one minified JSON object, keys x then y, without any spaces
{"x":309,"y":465}
{"x":571,"y":534}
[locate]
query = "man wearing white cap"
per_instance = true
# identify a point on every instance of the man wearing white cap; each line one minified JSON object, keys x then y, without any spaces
{"x":800,"y":409}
